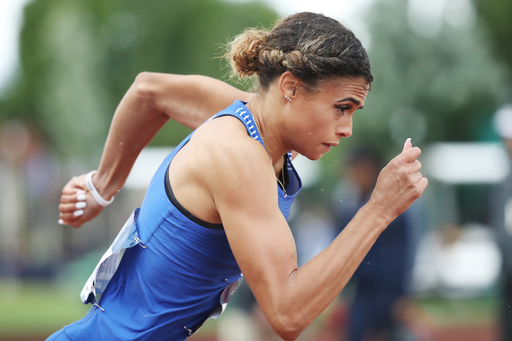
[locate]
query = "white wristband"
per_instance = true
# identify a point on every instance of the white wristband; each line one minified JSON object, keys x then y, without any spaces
{"x":94,"y":191}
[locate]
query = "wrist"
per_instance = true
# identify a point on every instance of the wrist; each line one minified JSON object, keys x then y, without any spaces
{"x":97,"y":189}
{"x":377,"y":213}
{"x":106,"y":184}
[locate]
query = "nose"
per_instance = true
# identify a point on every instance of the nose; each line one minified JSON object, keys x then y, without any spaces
{"x":345,"y":129}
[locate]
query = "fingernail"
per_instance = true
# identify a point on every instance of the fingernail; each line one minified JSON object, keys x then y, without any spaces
{"x":81,"y":197}
{"x":408,"y":140}
{"x":80,"y":191}
{"x":80,"y":204}
{"x":78,"y":213}
{"x":61,"y":222}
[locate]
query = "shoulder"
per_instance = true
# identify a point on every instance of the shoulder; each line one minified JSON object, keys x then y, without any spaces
{"x":229,"y":153}
{"x":236,"y":172}
{"x":227,"y":138}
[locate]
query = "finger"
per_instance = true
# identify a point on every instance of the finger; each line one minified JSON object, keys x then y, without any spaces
{"x":68,"y":189}
{"x":407,"y":144}
{"x":415,"y":166}
{"x":423,"y":183}
{"x":71,"y":217}
{"x":66,"y":208}
{"x":74,"y":223}
{"x":416,"y":177}
{"x":67,"y":218}
{"x":73,"y":198}
{"x":410,"y":155}
{"x":66,"y":222}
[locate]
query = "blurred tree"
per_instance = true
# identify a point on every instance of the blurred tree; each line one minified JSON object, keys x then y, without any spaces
{"x":79,"y":57}
{"x":436,"y":79}
{"x":496,"y":16}
{"x":435,"y":84}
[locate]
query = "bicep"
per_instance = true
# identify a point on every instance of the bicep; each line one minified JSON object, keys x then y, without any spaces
{"x":266,"y":253}
{"x":258,"y":233}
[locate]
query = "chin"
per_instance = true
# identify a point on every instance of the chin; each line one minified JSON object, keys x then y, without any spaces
{"x":314,"y":157}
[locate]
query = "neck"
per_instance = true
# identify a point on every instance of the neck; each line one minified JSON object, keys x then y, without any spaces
{"x":267,"y":123}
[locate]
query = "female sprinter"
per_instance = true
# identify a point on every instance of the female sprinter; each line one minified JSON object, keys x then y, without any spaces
{"x":217,"y":206}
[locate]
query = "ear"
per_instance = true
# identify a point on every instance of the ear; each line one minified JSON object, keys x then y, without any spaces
{"x":288,"y":85}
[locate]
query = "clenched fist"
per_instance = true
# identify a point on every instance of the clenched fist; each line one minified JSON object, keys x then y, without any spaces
{"x":400,"y":183}
{"x":77,"y":206}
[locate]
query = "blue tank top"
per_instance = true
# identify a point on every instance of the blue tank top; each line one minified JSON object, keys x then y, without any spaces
{"x":181,"y":273}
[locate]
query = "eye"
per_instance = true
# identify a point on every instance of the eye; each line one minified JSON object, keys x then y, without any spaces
{"x":343,"y":108}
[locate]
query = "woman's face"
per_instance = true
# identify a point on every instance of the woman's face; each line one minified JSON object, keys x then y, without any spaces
{"x":320,"y":119}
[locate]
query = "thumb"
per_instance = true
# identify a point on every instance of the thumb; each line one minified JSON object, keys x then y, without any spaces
{"x":407,"y":144}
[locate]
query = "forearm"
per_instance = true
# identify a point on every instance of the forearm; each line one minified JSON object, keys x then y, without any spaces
{"x":263,"y":245}
{"x":308,"y":291}
{"x":152,"y":100}
{"x":136,"y":121}
{"x":149,"y":103}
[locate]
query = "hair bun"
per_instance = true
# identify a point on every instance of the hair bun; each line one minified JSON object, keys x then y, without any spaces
{"x":244,"y":54}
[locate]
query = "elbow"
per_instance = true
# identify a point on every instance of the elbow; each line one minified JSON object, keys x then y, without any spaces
{"x":288,"y":327}
{"x":145,"y":85}
{"x":149,"y":88}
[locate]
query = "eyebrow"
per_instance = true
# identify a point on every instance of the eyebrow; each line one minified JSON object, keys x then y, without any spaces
{"x":353,"y":100}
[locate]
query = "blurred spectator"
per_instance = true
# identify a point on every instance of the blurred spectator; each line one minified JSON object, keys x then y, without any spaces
{"x":381,"y":281}
{"x":501,"y":221}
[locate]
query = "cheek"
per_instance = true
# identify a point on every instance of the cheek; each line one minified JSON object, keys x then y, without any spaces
{"x":302,"y":122}
{"x":311,"y":130}
{"x":309,"y":123}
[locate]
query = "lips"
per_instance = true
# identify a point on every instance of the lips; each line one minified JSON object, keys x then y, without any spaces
{"x":327,"y":146}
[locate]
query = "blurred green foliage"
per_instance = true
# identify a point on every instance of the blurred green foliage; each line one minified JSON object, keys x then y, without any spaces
{"x":450,"y":81}
{"x":444,"y":87}
{"x":496,"y":15}
{"x":80,"y":57}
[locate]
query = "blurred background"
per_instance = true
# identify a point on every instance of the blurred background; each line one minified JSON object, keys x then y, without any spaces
{"x":442,"y":271}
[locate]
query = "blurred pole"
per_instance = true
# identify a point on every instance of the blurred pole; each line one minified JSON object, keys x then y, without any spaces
{"x":14,"y":142}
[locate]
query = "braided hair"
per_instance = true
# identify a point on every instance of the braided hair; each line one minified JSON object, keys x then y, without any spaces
{"x":310,"y":46}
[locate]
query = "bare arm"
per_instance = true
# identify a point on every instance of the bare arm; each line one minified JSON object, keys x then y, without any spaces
{"x":291,"y":297}
{"x":146,"y":107}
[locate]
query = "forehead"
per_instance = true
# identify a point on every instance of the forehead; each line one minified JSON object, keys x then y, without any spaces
{"x":344,"y":87}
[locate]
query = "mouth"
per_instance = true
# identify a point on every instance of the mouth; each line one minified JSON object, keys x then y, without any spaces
{"x":327,"y":146}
